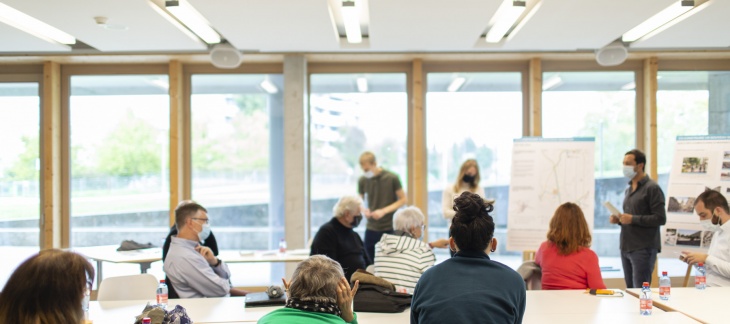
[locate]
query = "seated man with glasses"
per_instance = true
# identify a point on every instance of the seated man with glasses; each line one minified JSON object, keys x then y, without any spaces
{"x":193,"y":269}
{"x":401,"y":257}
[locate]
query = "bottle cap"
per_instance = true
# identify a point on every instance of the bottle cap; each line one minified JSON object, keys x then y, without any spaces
{"x":146,"y":320}
{"x":664,"y":273}
{"x":162,"y":280}
{"x":645,"y":283}
{"x":701,"y":264}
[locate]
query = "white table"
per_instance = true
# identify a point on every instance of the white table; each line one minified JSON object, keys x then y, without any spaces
{"x":109,"y":253}
{"x":708,"y":306}
{"x":230,"y":256}
{"x":200,"y":310}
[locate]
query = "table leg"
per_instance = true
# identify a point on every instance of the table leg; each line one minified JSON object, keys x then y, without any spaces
{"x":144,"y":266}
{"x":98,"y":274}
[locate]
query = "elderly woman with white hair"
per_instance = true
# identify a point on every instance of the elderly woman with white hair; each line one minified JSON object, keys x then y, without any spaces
{"x":402,"y":257}
{"x":337,"y":240}
{"x":318,"y":293}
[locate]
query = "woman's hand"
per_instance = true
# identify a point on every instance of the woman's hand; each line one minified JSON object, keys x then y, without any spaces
{"x":442,"y":243}
{"x":345,"y":295}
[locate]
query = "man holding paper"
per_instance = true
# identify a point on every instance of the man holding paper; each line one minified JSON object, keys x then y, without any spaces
{"x":643,"y":214}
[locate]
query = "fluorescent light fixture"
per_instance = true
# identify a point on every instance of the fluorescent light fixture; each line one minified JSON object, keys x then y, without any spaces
{"x":351,"y":19}
{"x":268,"y":86}
{"x":175,"y":23}
{"x":456,"y":84}
{"x":191,"y":18}
{"x":362,"y":84}
{"x":505,"y":17}
{"x":552,"y":82}
{"x":35,"y":27}
{"x":629,"y":86}
{"x":668,"y":14}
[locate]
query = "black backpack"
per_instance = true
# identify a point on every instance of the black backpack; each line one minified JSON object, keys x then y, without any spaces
{"x":377,"y":299}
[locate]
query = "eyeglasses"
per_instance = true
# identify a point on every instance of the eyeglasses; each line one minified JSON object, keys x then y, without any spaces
{"x":205,"y":220}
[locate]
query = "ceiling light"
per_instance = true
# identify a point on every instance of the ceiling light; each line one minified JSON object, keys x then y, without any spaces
{"x":663,"y":17}
{"x":505,"y":17}
{"x":268,"y":86}
{"x":552,"y":82}
{"x":191,"y":18}
{"x":351,"y":18}
{"x":456,"y":84}
{"x":34,"y":26}
{"x":175,"y":23}
{"x":362,"y":84}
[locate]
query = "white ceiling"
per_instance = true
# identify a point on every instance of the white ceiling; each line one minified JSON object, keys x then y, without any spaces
{"x":280,"y":26}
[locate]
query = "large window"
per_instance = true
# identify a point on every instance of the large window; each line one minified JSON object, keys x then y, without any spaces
{"x":350,"y":114}
{"x":600,"y":105}
{"x":471,"y":116}
{"x":684,"y":103}
{"x":19,"y":174}
{"x":237,"y":164}
{"x":119,"y":136}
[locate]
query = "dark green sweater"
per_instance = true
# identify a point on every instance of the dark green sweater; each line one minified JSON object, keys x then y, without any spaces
{"x":469,"y":288}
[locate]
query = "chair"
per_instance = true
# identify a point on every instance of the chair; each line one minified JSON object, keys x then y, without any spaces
{"x":137,"y":287}
{"x":532,"y":275}
{"x":687,"y":275}
{"x":528,"y":255}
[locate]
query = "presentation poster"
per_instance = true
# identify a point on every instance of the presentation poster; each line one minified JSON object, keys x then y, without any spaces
{"x":547,"y":172}
{"x":700,"y":163}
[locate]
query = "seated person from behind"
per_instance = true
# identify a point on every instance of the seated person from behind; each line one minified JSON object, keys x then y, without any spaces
{"x":193,"y":269}
{"x":470,"y":287}
{"x":566,"y":260}
{"x":337,"y":240}
{"x":318,"y":293}
{"x":714,"y":212}
{"x":207,"y":239}
{"x":401,"y":257}
{"x":50,"y":287}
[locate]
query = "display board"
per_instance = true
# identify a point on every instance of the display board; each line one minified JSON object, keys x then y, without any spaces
{"x":547,"y":172}
{"x":700,"y":163}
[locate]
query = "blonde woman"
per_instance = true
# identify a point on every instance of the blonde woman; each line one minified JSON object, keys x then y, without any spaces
{"x":468,"y":180}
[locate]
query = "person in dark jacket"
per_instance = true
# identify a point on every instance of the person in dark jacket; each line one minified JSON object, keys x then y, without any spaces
{"x":470,"y":287}
{"x":337,"y":240}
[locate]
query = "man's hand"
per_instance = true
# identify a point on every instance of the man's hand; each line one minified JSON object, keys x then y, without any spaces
{"x":366,"y":212}
{"x":377,"y":214}
{"x":625,"y":218}
{"x":694,"y":257}
{"x":442,"y":243}
{"x":207,"y":253}
{"x":614,"y":219}
{"x":345,"y":295}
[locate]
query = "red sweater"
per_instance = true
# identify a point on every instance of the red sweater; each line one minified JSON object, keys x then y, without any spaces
{"x":579,"y":270}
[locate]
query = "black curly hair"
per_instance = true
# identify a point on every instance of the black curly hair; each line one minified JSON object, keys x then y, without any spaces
{"x":472,"y":227}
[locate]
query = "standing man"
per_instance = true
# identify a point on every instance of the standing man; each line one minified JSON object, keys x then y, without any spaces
{"x":383,"y":193}
{"x":714,"y":214}
{"x":643,"y":214}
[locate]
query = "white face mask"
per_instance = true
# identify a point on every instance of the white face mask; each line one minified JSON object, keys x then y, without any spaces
{"x":204,"y":233}
{"x":708,"y":225}
{"x":368,"y":174}
{"x":629,"y":171}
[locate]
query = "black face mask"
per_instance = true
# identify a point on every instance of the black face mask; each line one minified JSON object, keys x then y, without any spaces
{"x":468,"y":178}
{"x":356,"y":221}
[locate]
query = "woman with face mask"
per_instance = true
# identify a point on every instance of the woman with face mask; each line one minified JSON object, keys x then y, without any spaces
{"x":466,"y":181}
{"x":402,"y":257}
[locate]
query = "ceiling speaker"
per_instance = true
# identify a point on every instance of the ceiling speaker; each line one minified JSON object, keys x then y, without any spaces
{"x":225,"y":56}
{"x":612,"y":54}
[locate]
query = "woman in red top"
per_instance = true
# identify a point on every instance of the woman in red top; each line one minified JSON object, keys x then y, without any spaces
{"x":566,"y":259}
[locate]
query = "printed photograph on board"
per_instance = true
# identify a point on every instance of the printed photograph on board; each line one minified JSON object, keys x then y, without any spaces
{"x":670,"y":238}
{"x":681,"y":205}
{"x":706,"y":239}
{"x":687,"y":237}
{"x":694,"y":165}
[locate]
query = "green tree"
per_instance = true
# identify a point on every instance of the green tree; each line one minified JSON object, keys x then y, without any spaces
{"x":26,"y":164}
{"x":131,"y":149}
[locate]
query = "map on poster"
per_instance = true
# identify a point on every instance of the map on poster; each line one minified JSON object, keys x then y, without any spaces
{"x":700,"y":163}
{"x":545,"y":174}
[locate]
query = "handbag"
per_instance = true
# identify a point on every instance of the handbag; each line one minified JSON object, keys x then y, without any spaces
{"x":377,"y":299}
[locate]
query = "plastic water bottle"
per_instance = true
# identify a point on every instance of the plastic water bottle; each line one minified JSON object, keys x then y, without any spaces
{"x":645,"y":303}
{"x":665,"y":285}
{"x":700,"y":276}
{"x":162,"y":294}
{"x":282,"y":246}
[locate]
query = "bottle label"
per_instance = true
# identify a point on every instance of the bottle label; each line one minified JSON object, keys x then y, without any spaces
{"x":161,"y":298}
{"x":664,"y":291}
{"x":699,"y":280}
{"x":646,"y":304}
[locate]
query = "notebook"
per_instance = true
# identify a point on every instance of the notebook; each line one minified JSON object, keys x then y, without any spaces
{"x":260,"y":299}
